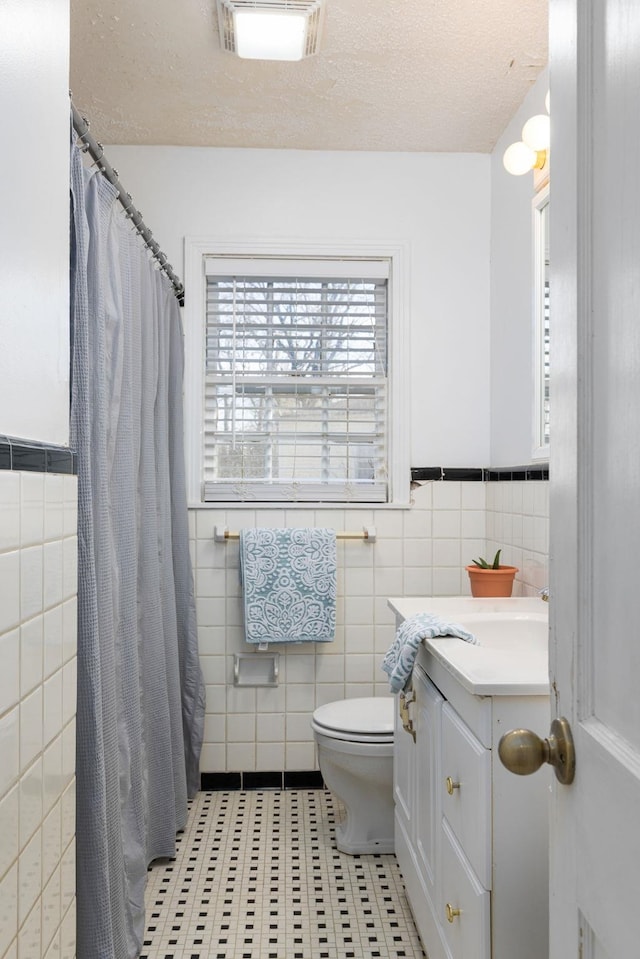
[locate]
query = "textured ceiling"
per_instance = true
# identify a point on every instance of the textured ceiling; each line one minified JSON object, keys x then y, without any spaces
{"x":428,"y":75}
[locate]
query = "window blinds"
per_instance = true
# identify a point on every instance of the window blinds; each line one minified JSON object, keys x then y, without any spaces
{"x":295,"y":394}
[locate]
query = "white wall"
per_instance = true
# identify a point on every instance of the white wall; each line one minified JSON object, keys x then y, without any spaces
{"x":37,"y":510}
{"x":438,"y":203}
{"x":34,"y":227}
{"x":512,"y":344}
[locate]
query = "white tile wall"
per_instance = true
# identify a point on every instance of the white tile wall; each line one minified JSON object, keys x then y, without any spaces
{"x":518,"y":522}
{"x":37,"y":715}
{"x":420,"y":551}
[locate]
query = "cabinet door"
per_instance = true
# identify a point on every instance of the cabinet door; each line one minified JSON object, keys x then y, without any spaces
{"x":404,"y":764}
{"x":428,"y":710}
{"x":466,"y":791}
{"x":465,"y":904}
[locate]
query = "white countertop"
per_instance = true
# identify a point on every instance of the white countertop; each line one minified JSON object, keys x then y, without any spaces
{"x":512,"y":657}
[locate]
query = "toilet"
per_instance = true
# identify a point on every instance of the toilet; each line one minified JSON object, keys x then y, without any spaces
{"x":355,"y":754}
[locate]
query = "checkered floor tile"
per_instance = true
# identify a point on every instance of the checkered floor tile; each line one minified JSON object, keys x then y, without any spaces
{"x":257,"y":876}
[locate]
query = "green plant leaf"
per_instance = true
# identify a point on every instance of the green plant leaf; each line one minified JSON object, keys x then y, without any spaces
{"x":481,"y":563}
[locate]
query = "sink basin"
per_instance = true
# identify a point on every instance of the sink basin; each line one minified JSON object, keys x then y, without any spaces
{"x":512,"y":652}
{"x":503,"y":630}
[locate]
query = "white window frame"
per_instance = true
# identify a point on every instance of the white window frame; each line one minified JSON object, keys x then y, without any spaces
{"x":197,"y":250}
{"x":539,"y":204}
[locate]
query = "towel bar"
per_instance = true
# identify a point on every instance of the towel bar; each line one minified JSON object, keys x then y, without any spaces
{"x":368,"y":533}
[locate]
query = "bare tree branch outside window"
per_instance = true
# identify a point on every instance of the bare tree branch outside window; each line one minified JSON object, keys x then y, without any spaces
{"x":296,"y":380}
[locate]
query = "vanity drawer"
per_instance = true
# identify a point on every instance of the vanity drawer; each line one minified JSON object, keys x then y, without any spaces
{"x":466,"y":791}
{"x":465,"y":904}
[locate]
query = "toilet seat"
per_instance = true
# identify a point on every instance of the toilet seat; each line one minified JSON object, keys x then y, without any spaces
{"x":365,"y":720}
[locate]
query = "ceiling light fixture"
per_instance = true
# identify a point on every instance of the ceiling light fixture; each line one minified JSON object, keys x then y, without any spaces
{"x":270,"y":29}
{"x":532,"y":152}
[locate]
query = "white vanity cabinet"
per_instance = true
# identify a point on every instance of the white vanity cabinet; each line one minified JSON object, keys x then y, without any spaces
{"x":471,"y":838}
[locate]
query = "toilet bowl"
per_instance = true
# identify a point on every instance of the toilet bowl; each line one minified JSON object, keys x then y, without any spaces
{"x":355,"y":754}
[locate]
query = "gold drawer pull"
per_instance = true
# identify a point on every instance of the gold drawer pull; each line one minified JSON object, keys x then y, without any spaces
{"x":451,"y":912}
{"x":451,"y":785}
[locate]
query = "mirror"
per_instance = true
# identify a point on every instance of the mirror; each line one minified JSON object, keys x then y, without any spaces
{"x":541,"y":322}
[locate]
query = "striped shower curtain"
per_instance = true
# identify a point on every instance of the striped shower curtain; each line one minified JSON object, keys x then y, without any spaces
{"x":140,"y":688}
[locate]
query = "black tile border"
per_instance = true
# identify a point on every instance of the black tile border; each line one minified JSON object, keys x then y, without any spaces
{"x":471,"y":475}
{"x":513,"y":473}
{"x":426,"y":473}
{"x":289,"y":779}
{"x":5,"y":454}
{"x":32,"y":457}
{"x":217,"y":782}
{"x":303,"y":779}
{"x":479,"y":474}
{"x":262,"y":780}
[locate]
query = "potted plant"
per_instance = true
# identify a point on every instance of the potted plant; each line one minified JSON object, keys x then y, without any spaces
{"x":491,"y":579}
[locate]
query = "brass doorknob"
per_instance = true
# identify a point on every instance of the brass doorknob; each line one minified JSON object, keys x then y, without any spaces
{"x":523,"y":752}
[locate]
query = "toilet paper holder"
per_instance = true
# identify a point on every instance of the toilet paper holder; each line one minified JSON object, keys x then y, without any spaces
{"x":256,"y":669}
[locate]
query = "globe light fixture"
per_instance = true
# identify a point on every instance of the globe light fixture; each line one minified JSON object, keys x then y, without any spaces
{"x":519,"y":158}
{"x":530,"y":153}
{"x":536,"y":132}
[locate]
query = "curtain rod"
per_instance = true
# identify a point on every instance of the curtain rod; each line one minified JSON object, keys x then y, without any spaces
{"x":95,"y":150}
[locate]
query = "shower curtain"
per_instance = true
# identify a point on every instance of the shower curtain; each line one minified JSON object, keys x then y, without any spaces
{"x":140,"y":689}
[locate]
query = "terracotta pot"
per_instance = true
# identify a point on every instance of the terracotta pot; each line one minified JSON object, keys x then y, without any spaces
{"x":491,"y":582}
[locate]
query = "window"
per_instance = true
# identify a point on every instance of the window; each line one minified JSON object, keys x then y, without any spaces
{"x":294,"y":380}
{"x":542,"y":323}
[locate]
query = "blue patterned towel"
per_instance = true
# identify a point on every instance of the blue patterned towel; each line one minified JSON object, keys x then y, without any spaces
{"x":289,"y":585}
{"x":398,"y":663}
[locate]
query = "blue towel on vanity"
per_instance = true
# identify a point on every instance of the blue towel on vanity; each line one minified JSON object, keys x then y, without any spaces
{"x":289,"y":585}
{"x":398,"y":662}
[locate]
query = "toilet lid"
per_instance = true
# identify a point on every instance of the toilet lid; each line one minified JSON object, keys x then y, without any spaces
{"x":370,"y":716}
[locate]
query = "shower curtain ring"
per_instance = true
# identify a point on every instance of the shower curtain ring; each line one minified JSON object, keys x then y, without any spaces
{"x":99,"y":157}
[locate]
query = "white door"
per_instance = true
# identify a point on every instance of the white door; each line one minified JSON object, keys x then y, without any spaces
{"x":595,"y":474}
